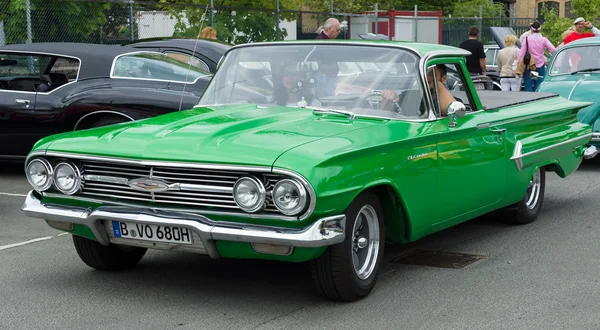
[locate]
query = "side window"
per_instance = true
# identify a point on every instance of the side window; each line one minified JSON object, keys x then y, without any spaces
{"x":189,"y":60}
{"x":68,"y":67}
{"x":449,"y":83}
{"x":457,"y":84}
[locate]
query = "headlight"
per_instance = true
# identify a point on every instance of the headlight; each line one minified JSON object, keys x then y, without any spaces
{"x":67,"y":178}
{"x":289,"y":196}
{"x":39,"y":174}
{"x":249,"y":194}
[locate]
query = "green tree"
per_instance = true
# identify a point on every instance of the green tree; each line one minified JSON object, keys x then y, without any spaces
{"x":53,"y":20}
{"x":554,"y":26}
{"x":235,"y":20}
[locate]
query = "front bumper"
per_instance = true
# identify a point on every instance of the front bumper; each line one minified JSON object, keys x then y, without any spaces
{"x":323,"y":232}
{"x":595,"y":137}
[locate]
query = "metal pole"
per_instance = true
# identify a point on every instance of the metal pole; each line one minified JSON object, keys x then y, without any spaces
{"x":331,"y":7}
{"x":28,"y":11}
{"x":376,"y":18}
{"x":131,"y":19}
{"x":212,"y":14}
{"x":277,"y":20}
{"x":2,"y":34}
{"x":480,"y":22}
{"x":415,"y":22}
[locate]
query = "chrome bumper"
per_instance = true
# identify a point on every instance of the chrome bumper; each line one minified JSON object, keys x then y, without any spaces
{"x":323,"y":232}
{"x":595,"y":137}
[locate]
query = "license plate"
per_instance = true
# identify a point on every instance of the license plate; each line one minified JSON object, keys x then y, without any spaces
{"x":479,"y":86}
{"x":155,"y":233}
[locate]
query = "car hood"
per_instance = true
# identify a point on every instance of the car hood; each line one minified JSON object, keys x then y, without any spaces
{"x":578,"y":87}
{"x":244,"y":135}
{"x":499,"y":33}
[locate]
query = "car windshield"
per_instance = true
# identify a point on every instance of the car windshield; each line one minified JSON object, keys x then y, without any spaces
{"x":576,"y":59}
{"x":155,"y":66}
{"x":321,"y":76}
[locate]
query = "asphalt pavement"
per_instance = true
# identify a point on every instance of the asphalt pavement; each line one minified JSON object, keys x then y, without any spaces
{"x":544,"y":275}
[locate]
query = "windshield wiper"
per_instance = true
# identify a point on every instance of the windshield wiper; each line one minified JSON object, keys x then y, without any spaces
{"x":350,"y":114}
{"x":586,"y":70}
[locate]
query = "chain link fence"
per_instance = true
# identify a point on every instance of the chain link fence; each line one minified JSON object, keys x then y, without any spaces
{"x":121,"y":21}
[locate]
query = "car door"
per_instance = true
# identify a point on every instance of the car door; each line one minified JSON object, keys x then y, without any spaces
{"x":19,"y":76}
{"x":471,"y":155}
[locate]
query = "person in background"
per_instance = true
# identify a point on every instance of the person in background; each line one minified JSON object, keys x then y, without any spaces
{"x":525,"y":35}
{"x":568,"y":31}
{"x":331,"y":29}
{"x":507,"y":64}
{"x":537,"y":44}
{"x":475,"y":61}
{"x":287,"y":92}
{"x":580,"y":24}
{"x":208,"y":33}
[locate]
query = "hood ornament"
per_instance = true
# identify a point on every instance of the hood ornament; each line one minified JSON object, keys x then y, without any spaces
{"x":148,"y":184}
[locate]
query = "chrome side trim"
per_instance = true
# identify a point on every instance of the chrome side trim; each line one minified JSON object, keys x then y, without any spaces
{"x":518,"y":156}
{"x":575,"y":86}
{"x":323,"y":232}
{"x":99,"y":112}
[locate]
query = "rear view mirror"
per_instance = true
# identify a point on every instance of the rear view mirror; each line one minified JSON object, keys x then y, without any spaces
{"x":455,"y":110}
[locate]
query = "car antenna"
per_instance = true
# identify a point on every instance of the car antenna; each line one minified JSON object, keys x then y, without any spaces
{"x":193,"y":54}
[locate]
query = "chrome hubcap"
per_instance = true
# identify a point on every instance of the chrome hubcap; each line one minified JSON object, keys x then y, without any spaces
{"x":365,"y":242}
{"x":533,"y":190}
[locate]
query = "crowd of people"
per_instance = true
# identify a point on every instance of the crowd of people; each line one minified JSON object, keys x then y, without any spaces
{"x":526,"y":65}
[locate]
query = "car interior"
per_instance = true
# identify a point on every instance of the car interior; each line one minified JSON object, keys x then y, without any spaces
{"x":35,"y":73}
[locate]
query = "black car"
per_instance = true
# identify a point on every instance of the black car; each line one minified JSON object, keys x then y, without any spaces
{"x":48,"y":88}
{"x":202,"y":53}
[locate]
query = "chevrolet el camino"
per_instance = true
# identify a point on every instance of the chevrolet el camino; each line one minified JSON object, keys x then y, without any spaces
{"x":310,"y":151}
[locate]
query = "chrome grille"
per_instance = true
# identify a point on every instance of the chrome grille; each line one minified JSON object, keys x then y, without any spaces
{"x":195,"y":188}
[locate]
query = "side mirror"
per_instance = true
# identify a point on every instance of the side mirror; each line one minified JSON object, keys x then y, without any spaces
{"x":455,"y":110}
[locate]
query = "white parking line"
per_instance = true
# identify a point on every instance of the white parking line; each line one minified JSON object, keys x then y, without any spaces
{"x":11,"y":194}
{"x":4,"y":247}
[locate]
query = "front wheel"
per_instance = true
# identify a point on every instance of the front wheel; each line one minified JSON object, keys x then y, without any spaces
{"x":110,"y":257}
{"x":348,"y":271}
{"x":527,"y":210}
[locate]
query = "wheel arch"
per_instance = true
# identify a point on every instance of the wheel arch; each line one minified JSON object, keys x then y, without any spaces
{"x":86,"y":120}
{"x":396,"y":219}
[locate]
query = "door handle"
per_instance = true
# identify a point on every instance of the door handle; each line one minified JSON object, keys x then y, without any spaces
{"x":23,"y":101}
{"x":499,"y":130}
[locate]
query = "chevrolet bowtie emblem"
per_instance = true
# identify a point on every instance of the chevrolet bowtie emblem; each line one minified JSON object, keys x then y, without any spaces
{"x":147,"y":184}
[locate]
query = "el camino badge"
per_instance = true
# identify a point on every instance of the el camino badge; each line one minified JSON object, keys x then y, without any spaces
{"x":147,"y":184}
{"x":417,"y":156}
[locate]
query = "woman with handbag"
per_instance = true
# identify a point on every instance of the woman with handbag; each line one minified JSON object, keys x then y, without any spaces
{"x":533,"y":51}
{"x":507,"y":64}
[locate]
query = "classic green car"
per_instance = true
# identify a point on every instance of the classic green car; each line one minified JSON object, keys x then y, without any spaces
{"x":574,"y":73}
{"x":293,"y":154}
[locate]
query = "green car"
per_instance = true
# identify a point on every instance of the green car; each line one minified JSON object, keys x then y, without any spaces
{"x":297,"y":152}
{"x":574,"y":73}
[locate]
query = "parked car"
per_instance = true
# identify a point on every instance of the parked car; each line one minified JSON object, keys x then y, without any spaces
{"x":48,"y":88}
{"x":574,"y":73}
{"x":257,"y":172}
{"x":202,"y":53}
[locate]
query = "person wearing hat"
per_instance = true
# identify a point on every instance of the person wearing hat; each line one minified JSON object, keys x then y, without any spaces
{"x":580,"y":24}
{"x":536,"y":44}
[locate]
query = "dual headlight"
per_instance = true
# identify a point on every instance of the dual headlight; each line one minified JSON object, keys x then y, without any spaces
{"x":289,"y":196}
{"x":41,"y":175}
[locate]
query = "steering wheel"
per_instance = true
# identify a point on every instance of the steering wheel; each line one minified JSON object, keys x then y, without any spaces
{"x":374,"y":104}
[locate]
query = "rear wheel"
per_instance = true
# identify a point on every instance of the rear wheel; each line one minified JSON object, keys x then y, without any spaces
{"x":348,"y":271}
{"x":110,"y":257}
{"x":527,"y":210}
